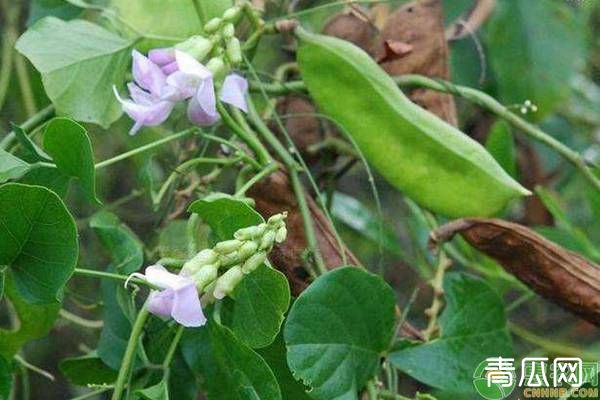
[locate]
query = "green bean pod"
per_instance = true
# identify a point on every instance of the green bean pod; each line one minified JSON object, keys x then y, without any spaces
{"x":426,"y":158}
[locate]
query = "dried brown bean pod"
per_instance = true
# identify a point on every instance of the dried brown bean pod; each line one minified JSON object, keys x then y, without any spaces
{"x":552,"y":271}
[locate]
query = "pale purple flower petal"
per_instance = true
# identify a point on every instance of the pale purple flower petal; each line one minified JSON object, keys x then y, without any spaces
{"x":151,"y":112}
{"x":162,"y":56}
{"x":161,"y":303}
{"x":139,"y":95}
{"x":180,"y":86}
{"x":202,"y":109}
{"x":178,"y":300}
{"x":168,"y":69}
{"x":187,"y":309}
{"x":146,"y":74}
{"x":234,"y":90}
{"x":189,"y":65}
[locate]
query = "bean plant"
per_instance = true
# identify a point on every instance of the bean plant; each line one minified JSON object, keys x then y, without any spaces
{"x":235,"y":199}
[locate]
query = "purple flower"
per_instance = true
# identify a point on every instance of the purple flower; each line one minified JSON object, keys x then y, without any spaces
{"x":178,"y":299}
{"x":168,"y":76}
{"x":146,"y":107}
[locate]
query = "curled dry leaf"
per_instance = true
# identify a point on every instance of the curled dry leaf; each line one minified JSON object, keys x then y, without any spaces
{"x":352,"y":25}
{"x":419,"y":24}
{"x":555,"y":273}
{"x":394,"y":50}
{"x":273,"y":195}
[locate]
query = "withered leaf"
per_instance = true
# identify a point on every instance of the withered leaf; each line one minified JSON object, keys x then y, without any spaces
{"x":352,"y":25}
{"x":420,"y":24}
{"x":553,"y":272}
{"x":393,"y":50}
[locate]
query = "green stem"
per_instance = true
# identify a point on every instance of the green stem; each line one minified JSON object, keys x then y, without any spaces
{"x":92,"y":394}
{"x":108,"y":275}
{"x":130,"y":351}
{"x":36,"y":120}
{"x":149,"y":146}
{"x":234,"y":146}
{"x":292,"y":168}
{"x":247,"y":136}
{"x":76,"y":319}
{"x":371,"y":390}
{"x":184,"y":167}
{"x":6,"y":67}
{"x":268,"y":170}
{"x":173,"y":347}
{"x":552,"y":346}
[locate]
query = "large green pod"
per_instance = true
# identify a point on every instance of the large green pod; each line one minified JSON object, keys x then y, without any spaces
{"x":429,"y":160}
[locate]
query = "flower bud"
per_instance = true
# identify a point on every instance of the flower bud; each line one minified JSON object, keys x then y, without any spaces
{"x":281,"y":234}
{"x":267,"y":240}
{"x":228,"y":31}
{"x":216,"y":65}
{"x":231,"y":14}
{"x":234,"y":50}
{"x":227,"y":246}
{"x":227,"y":282}
{"x":276,"y":219}
{"x":254,"y":262}
{"x":248,"y":233}
{"x":248,"y":249}
{"x":231,"y":258}
{"x":196,"y":46}
{"x":212,"y":25}
{"x":205,"y":275}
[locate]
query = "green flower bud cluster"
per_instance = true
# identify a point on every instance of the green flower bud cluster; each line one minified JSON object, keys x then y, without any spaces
{"x":239,"y":256}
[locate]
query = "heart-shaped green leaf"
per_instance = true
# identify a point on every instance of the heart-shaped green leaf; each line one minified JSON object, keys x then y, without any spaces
{"x":69,"y":146}
{"x":34,"y":321}
{"x":259,"y":302}
{"x":337,"y":331}
{"x":87,"y":370}
{"x":38,"y":241}
{"x":230,"y":370}
{"x":124,"y":246}
{"x":225,"y":214}
{"x":11,"y":167}
{"x":5,"y":379}
{"x":79,"y":62}
{"x":473,"y":327}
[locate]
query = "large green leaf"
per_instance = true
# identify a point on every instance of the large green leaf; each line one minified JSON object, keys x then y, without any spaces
{"x":11,"y":167}
{"x":69,"y":146}
{"x":57,"y":8}
{"x":38,"y":241}
{"x":337,"y":331}
{"x":34,"y":321}
{"x":275,"y":356}
{"x":124,"y":246}
{"x":533,"y":60}
{"x":48,"y":177}
{"x":5,"y":379}
{"x":168,"y":18}
{"x":473,"y":327}
{"x":79,"y":62}
{"x":229,"y":369}
{"x":259,"y":302}
{"x":87,"y":370}
{"x":225,"y":214}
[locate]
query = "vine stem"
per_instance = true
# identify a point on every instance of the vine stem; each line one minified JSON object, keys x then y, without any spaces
{"x":438,"y":293}
{"x":173,"y":347}
{"x":149,"y":146}
{"x":130,"y":351}
{"x":108,"y":275}
{"x":475,"y":96}
{"x":292,"y":169}
{"x":268,"y":170}
{"x":36,"y":120}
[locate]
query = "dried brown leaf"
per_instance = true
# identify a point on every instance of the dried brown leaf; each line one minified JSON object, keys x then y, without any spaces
{"x":553,"y":272}
{"x":353,"y":26}
{"x":420,"y":24}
